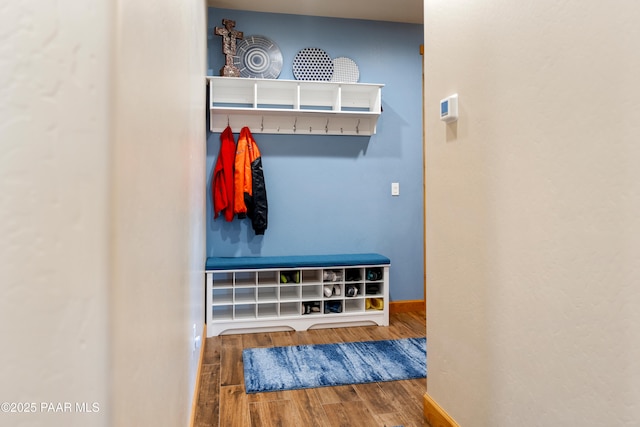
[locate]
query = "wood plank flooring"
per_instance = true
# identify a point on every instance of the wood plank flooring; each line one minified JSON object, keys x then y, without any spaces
{"x":223,"y":402}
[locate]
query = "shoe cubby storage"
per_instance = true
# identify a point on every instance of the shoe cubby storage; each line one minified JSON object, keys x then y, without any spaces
{"x":294,"y":106}
{"x":261,"y":294}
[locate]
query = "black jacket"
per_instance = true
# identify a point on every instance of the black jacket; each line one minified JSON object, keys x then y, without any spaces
{"x":257,"y":207}
{"x":250,"y":190}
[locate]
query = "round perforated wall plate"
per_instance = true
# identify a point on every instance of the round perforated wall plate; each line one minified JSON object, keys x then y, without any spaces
{"x":345,"y":70}
{"x":314,"y":64}
{"x":258,"y":57}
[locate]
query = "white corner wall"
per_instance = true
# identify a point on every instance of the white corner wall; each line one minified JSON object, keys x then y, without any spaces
{"x":102,"y":206}
{"x":533,"y":212}
{"x":158,"y":209}
{"x":54,"y":238}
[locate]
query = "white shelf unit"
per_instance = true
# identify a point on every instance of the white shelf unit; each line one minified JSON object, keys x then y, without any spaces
{"x":259,"y":300}
{"x":294,"y":106}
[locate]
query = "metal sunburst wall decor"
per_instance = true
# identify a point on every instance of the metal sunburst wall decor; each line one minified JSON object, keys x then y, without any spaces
{"x":258,"y":57}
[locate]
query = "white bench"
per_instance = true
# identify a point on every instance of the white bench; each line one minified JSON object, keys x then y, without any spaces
{"x":261,"y":294}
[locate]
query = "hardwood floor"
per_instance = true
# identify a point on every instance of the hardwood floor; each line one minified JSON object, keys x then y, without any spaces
{"x":223,"y":402}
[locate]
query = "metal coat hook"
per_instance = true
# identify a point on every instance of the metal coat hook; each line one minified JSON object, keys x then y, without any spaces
{"x":358,"y":127}
{"x":262,"y":124}
{"x":295,"y":124}
{"x":309,"y":129}
{"x":326,"y":127}
{"x":227,"y":120}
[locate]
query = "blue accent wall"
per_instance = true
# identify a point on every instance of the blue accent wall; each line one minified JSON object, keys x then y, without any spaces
{"x":332,"y":194}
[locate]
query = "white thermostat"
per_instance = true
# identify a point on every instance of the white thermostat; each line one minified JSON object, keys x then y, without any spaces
{"x":449,"y":108}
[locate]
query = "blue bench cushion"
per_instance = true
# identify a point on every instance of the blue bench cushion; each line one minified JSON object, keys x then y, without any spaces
{"x":295,"y":261}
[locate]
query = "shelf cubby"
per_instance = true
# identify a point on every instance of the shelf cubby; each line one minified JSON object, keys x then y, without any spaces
{"x":222,"y":296}
{"x":244,"y":311}
{"x":244,"y":295}
{"x":222,"y":313}
{"x":245,"y":278}
{"x":267,"y":294}
{"x":222,"y":279}
{"x":289,"y":309}
{"x":269,"y":277}
{"x":267,"y":310}
{"x":289,"y":293}
{"x":354,"y":305}
{"x":311,"y":292}
{"x":311,"y":276}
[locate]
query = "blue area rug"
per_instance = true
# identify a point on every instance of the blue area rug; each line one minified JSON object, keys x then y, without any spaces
{"x":324,"y":365}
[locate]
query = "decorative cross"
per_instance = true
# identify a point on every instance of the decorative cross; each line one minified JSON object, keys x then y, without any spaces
{"x":229,"y":36}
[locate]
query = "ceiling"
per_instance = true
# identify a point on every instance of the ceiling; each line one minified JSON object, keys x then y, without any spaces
{"x":408,"y":11}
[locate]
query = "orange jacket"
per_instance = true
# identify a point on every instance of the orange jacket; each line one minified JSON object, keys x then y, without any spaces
{"x":246,"y":153}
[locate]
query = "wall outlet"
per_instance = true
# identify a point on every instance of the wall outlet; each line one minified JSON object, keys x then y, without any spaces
{"x":395,"y":188}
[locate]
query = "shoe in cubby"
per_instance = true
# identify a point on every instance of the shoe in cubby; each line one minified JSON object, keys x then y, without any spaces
{"x":332,"y":307}
{"x":311,"y":307}
{"x":327,"y":290}
{"x":374,"y":304}
{"x":331,"y":275}
{"x":372,"y":289}
{"x":290,"y":276}
{"x":353,"y":275}
{"x":351,"y":291}
{"x":374,"y":274}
